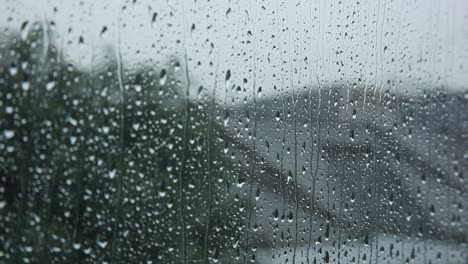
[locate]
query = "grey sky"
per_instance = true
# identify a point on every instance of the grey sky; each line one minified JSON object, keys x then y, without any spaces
{"x":283,"y":43}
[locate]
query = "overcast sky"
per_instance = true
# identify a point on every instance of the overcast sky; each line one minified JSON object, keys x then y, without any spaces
{"x":278,"y":43}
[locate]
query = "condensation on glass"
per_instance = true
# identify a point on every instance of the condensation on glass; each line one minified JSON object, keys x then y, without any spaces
{"x":234,"y":131}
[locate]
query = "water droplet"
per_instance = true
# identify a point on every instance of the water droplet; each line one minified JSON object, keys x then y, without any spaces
{"x":13,"y":70}
{"x":50,"y":86}
{"x":162,"y":77}
{"x":25,"y":30}
{"x":102,"y":244}
{"x":25,"y":86}
{"x":227,"y":78}
{"x":112,"y":173}
{"x":9,"y":134}
{"x":103,"y":31}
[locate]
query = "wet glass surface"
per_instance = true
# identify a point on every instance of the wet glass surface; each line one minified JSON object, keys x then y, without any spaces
{"x":233,"y":131}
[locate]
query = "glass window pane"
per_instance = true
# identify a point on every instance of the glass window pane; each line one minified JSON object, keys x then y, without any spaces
{"x":189,"y":131}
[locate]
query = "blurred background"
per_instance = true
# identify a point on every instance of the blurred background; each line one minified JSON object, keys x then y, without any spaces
{"x":233,"y":131}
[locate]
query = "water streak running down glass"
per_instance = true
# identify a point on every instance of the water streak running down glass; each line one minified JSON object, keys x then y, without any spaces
{"x":249,"y":131}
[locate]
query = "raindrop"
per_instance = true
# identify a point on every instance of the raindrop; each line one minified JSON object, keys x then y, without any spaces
{"x":50,"y":86}
{"x":25,"y":27}
{"x":25,"y":86}
{"x":103,"y":31}
{"x":162,"y":77}
{"x":102,"y":244}
{"x":112,"y":173}
{"x":276,"y":214}
{"x":9,"y":134}
{"x":227,"y":78}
